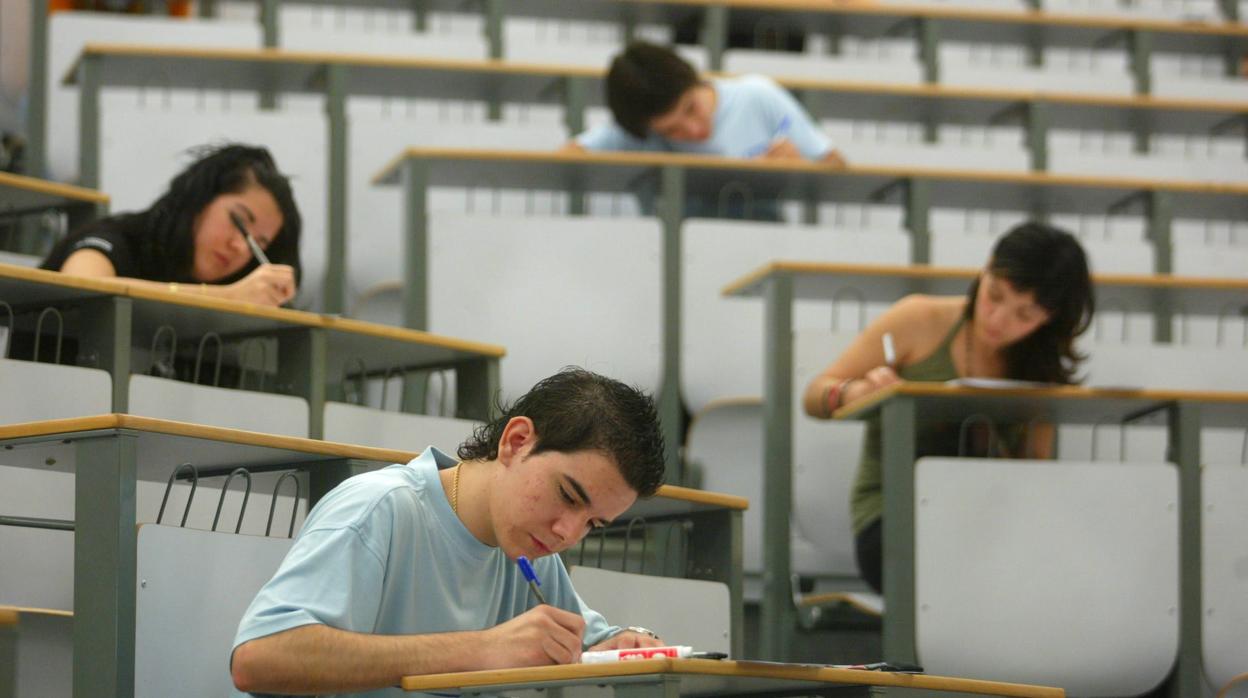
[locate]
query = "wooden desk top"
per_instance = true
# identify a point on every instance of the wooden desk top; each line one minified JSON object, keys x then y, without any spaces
{"x":1069,"y":403}
{"x":244,"y":311}
{"x":14,"y":612}
{"x":51,"y":190}
{"x":975,"y":14}
{"x":317,"y":58}
{"x":752,"y":283}
{"x":718,"y":678}
{"x":501,"y":162}
{"x":256,"y":448}
{"x":305,"y":61}
{"x":28,"y":431}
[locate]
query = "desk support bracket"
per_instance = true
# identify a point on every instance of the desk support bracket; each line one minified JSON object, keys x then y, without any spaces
{"x":105,"y":561}
{"x":671,"y":412}
{"x":1184,"y":451}
{"x":778,"y":615}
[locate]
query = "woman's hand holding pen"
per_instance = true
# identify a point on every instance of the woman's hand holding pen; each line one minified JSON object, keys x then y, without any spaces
{"x":269,"y":284}
{"x":877,"y":378}
{"x":540,"y":636}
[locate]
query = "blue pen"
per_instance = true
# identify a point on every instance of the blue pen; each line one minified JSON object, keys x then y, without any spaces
{"x":527,"y":570}
{"x":781,"y":131}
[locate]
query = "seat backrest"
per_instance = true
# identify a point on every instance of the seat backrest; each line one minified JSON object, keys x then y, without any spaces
{"x":1224,"y":572}
{"x":722,"y":338}
{"x":681,"y":611}
{"x":68,"y":32}
{"x":194,"y":587}
{"x":220,"y":407}
{"x":52,"y":391}
{"x":554,"y":291}
{"x":825,"y":458}
{"x":1075,"y":562}
{"x":726,"y":442}
{"x":369,"y":426}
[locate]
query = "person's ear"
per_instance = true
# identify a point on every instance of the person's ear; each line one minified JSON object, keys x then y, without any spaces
{"x":517,"y":440}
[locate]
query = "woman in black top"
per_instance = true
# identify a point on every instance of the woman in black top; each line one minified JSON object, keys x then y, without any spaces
{"x":187,"y":241}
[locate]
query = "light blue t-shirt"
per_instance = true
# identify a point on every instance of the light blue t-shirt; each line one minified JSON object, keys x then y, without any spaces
{"x":384,"y":554}
{"x":750,"y":111}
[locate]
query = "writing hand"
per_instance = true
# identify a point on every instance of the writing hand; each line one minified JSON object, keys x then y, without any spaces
{"x":782,"y":149}
{"x":268,"y":284}
{"x":876,"y":379}
{"x":540,"y":636}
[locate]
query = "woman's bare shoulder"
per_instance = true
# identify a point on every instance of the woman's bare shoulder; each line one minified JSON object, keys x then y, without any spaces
{"x":923,"y":309}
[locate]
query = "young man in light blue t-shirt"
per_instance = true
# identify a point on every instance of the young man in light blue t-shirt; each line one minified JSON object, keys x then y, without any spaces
{"x":660,"y":104}
{"x":411,"y":569}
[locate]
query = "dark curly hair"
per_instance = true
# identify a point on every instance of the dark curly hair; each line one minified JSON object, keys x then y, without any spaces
{"x":1048,"y":262}
{"x":578,"y":410}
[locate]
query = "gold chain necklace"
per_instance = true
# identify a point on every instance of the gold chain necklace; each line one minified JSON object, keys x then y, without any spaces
{"x":455,"y":491}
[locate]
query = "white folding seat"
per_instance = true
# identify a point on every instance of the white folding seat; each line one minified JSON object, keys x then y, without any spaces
{"x":553,"y":290}
{"x":1224,"y":587}
{"x":1019,"y":559}
{"x":721,"y":338}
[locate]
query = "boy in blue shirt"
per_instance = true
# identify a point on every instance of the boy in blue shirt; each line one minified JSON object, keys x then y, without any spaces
{"x":660,"y":104}
{"x":411,"y":569}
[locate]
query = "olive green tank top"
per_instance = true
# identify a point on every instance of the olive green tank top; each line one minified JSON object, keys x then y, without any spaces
{"x":867,"y":498}
{"x":867,"y":501}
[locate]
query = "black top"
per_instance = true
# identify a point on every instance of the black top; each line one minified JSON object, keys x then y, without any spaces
{"x":126,"y":241}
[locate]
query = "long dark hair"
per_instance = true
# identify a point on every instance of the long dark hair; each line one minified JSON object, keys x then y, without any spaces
{"x":1049,"y":263}
{"x":578,"y":410}
{"x":167,"y":252}
{"x":227,"y":169}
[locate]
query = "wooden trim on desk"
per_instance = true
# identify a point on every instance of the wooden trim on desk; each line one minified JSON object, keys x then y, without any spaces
{"x":314,"y":58}
{"x":558,"y":70}
{"x":118,"y":287}
{"x":110,"y":286}
{"x":43,"y":186}
{"x":923,"y":271}
{"x":195,"y":300}
{"x":688,"y":494}
{"x":869,"y":8}
{"x":620,"y":158}
{"x":404,"y":334}
{"x":26,"y":610}
{"x":787,"y":672}
{"x":56,"y":427}
{"x":389,"y":173}
{"x":1071,"y":392}
{"x":970,"y":92}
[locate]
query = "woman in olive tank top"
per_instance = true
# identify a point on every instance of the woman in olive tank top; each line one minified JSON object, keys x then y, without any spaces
{"x":1018,"y":320}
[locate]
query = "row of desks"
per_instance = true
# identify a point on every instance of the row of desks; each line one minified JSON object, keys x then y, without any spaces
{"x":420,"y":169}
{"x":274,"y":71}
{"x":117,"y":319}
{"x":904,"y":410}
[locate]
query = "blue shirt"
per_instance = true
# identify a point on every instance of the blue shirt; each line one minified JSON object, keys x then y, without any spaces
{"x":384,"y":554}
{"x":750,"y":111}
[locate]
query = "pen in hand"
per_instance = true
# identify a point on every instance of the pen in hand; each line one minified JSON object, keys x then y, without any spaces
{"x":890,"y":353}
{"x":527,"y":570}
{"x":256,"y":252}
